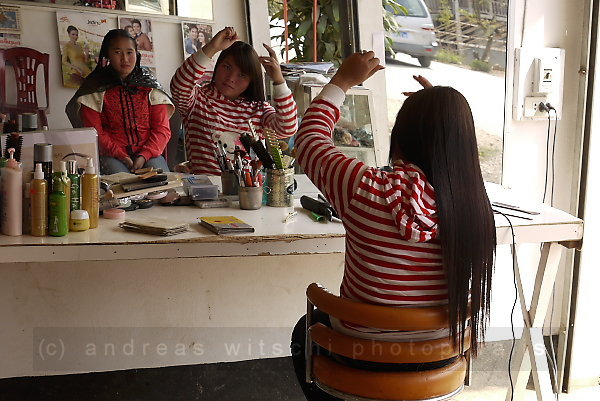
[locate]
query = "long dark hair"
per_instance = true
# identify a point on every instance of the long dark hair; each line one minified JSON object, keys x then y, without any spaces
{"x":434,"y":130}
{"x":110,"y":36}
{"x":246,"y":58}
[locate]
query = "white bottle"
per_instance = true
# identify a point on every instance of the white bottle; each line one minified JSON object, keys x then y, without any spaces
{"x":12,"y":195}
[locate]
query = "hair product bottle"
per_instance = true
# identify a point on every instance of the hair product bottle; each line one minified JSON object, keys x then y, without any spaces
{"x":58,"y":207}
{"x":12,"y":197}
{"x":66,"y":182}
{"x":42,"y":153}
{"x":90,"y":193}
{"x":39,"y":203}
{"x":75,"y":184}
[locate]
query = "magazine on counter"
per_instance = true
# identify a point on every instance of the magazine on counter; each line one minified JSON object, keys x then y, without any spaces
{"x":225,"y":224}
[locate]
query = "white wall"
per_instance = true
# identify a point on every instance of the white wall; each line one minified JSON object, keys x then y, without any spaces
{"x":556,"y":23}
{"x":40,"y":32}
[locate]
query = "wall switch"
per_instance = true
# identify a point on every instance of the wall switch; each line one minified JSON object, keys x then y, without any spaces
{"x":531,"y":107}
{"x":538,"y":77}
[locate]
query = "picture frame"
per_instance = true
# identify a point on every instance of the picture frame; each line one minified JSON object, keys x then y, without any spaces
{"x":10,"y":19}
{"x":204,"y":33}
{"x":147,"y":6}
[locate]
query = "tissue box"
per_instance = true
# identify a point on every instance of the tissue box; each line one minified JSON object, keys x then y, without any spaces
{"x":199,"y":187}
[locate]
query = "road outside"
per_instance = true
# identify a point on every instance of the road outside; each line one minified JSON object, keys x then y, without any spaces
{"x":484,"y":92}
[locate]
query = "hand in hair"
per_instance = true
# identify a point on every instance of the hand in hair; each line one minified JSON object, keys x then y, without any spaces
{"x":221,"y":41}
{"x":271,"y":65}
{"x":422,"y":80}
{"x":356,"y":69}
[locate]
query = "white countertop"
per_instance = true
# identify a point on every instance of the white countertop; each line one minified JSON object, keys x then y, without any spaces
{"x":271,"y":237}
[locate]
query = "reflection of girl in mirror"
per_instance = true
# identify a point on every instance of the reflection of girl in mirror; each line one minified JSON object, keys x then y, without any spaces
{"x":234,"y":96}
{"x":127,"y":107}
{"x":75,"y":58}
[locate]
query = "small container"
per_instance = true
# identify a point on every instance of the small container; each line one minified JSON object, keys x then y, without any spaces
{"x":281,"y":186}
{"x":229,"y":183}
{"x":80,"y":220}
{"x":199,"y":187}
{"x":114,"y":214}
{"x":250,"y":197}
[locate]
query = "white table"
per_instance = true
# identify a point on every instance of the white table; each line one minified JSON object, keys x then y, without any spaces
{"x":274,"y":247}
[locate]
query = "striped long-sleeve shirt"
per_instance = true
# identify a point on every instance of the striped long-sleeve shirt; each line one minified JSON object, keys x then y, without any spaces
{"x":206,"y":111}
{"x":393,"y":255}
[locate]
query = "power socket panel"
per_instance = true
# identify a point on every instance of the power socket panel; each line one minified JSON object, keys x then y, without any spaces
{"x":531,"y":108}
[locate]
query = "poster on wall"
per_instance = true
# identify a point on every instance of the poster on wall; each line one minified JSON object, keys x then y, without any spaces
{"x":195,"y":35}
{"x":8,"y":40}
{"x":10,"y":20}
{"x":80,"y":37}
{"x":141,"y":30}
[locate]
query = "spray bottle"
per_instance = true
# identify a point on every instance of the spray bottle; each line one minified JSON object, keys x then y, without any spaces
{"x":61,"y":174}
{"x":58,"y":207}
{"x":39,"y":203}
{"x":90,"y":193}
{"x":12,"y":197}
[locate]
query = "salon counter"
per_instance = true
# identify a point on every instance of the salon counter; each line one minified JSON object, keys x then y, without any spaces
{"x":111,"y":286}
{"x":109,"y":299}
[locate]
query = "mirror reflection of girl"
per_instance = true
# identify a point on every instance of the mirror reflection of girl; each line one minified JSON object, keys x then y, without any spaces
{"x":76,"y":57}
{"x":233,"y":96}
{"x":127,"y":107}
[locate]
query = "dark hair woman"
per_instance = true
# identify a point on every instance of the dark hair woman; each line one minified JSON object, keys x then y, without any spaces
{"x":127,"y":107}
{"x":421,"y":234}
{"x":235,"y":94}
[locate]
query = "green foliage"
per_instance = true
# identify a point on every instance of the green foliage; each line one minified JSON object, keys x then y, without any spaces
{"x":300,"y":29}
{"x":329,"y":34}
{"x":479,"y":65}
{"x":445,"y":12}
{"x":448,"y":57}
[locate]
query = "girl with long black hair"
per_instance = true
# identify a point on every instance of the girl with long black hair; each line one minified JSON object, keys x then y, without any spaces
{"x":418,"y":234}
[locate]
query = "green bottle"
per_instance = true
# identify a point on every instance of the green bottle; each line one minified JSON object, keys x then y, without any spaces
{"x":58,"y":218}
{"x":75,"y":184}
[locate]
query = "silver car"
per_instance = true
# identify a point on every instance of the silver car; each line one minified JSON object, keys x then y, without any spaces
{"x":416,"y":36}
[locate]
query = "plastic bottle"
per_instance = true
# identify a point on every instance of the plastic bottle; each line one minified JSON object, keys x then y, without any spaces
{"x":75,"y":184}
{"x":90,"y":193}
{"x":43,"y":153}
{"x":12,"y":197}
{"x":61,"y":174}
{"x":58,"y":224}
{"x":39,"y":203}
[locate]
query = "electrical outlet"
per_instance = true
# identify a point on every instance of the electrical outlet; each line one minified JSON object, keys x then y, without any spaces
{"x":531,"y":107}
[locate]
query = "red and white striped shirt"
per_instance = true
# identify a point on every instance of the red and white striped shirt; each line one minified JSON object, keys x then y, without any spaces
{"x":206,"y":111}
{"x":393,"y":253}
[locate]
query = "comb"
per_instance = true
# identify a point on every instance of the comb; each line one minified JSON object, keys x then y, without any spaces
{"x":274,"y":148}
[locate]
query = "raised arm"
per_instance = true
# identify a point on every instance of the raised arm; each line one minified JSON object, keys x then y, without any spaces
{"x":334,"y":173}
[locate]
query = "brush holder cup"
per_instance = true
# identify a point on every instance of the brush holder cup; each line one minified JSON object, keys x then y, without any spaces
{"x":280,"y":187}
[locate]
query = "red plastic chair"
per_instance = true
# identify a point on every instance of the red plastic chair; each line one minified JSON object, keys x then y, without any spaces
{"x":25,"y":62}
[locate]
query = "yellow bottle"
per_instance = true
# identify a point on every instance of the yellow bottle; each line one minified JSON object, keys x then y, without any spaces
{"x":39,"y":203}
{"x":90,"y":193}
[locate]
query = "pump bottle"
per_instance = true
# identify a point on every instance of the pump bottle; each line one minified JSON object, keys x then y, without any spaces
{"x":11,"y":216}
{"x":90,"y":193}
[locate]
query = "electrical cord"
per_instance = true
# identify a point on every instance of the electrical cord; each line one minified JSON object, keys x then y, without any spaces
{"x":547,"y":107}
{"x":542,"y":107}
{"x":512,"y":312}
